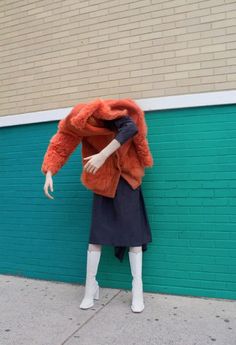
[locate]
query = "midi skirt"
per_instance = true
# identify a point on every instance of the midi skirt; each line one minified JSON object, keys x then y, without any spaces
{"x":121,"y":221}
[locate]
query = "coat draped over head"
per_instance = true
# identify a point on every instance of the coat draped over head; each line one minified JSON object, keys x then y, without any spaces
{"x":85,"y":124}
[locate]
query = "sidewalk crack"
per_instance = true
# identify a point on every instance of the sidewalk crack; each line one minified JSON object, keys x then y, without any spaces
{"x":90,"y":318}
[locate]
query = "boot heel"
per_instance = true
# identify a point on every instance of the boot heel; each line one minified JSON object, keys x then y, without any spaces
{"x":96,"y":296}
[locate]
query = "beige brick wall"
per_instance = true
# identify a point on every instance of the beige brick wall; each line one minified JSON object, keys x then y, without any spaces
{"x":57,"y":53}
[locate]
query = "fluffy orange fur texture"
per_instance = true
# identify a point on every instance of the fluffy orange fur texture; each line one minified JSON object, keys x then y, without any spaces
{"x":84,"y":125}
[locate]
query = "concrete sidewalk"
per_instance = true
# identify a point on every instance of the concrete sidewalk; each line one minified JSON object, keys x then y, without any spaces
{"x":37,"y":312}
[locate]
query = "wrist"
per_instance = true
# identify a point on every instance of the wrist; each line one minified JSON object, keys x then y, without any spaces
{"x":104,"y":154}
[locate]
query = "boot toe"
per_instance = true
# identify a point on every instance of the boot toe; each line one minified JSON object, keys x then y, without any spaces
{"x":137,"y":308}
{"x":86,"y":303}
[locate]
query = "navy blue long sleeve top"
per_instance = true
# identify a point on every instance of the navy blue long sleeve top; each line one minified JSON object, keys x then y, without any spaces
{"x":125,"y":126}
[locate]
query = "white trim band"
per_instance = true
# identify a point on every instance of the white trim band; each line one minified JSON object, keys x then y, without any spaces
{"x":147,"y":104}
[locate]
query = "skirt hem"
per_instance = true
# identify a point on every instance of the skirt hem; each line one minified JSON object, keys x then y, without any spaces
{"x":121,"y":245}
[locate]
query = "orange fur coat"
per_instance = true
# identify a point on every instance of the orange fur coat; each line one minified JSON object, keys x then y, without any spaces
{"x":84,"y":125}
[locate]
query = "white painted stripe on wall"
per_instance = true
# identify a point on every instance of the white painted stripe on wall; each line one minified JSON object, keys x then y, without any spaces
{"x":189,"y":100}
{"x":147,"y":104}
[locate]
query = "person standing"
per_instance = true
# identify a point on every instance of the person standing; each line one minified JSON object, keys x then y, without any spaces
{"x":120,"y":221}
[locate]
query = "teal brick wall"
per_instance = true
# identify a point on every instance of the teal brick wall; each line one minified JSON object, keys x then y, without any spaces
{"x":190,"y":196}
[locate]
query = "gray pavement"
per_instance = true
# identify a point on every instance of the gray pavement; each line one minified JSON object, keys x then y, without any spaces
{"x":38,"y":312}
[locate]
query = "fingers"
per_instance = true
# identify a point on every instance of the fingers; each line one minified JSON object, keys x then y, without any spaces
{"x":89,"y":167}
{"x":47,"y":194}
{"x":51,"y":186}
{"x":46,"y":186}
{"x":94,"y":163}
{"x":94,"y":170}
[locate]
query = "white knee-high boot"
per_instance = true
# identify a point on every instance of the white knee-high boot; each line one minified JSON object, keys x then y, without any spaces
{"x":137,"y":284}
{"x":91,"y":285}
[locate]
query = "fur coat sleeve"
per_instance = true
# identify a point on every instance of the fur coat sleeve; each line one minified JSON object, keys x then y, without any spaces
{"x":60,"y":147}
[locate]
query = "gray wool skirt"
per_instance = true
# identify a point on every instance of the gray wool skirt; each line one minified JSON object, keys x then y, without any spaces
{"x":122,"y":221}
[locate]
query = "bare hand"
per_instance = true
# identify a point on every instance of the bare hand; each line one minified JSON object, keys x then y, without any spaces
{"x":94,"y":162}
{"x":48,"y":183}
